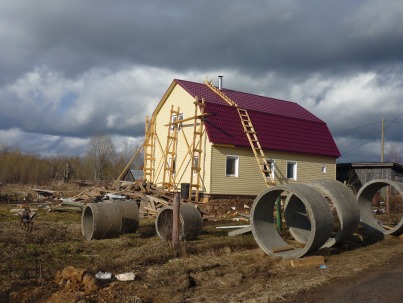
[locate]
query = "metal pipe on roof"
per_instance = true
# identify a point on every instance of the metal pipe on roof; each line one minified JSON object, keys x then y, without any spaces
{"x":220,"y":82}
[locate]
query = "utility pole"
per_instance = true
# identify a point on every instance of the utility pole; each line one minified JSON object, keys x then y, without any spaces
{"x":383,"y":139}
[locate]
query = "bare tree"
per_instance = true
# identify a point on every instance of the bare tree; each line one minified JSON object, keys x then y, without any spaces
{"x":62,"y":167}
{"x":394,"y":154}
{"x":127,"y":153}
{"x":3,"y":147}
{"x":100,"y":154}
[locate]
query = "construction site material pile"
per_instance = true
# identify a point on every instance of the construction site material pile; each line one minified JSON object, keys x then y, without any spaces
{"x":150,"y":198}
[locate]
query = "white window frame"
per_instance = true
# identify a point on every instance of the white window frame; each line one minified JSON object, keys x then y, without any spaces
{"x":174,"y":119}
{"x":323,"y":169}
{"x":294,"y":172}
{"x":236,"y":158}
{"x":272,"y":164}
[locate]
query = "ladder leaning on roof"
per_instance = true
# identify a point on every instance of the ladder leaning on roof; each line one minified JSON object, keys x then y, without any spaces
{"x":264,"y":165}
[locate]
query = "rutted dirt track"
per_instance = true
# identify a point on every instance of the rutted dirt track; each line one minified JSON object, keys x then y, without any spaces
{"x":380,"y":284}
{"x":55,"y":264}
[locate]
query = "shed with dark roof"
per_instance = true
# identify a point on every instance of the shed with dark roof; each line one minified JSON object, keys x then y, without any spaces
{"x":298,"y":145}
{"x":356,"y":174}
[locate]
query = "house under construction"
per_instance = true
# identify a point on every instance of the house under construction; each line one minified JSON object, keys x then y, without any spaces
{"x":217,"y":141}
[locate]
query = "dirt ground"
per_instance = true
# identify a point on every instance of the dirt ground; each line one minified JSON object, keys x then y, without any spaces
{"x":54,"y":263}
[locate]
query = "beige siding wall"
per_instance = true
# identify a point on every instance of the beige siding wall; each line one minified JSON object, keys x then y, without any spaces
{"x":179,"y":98}
{"x":250,"y":180}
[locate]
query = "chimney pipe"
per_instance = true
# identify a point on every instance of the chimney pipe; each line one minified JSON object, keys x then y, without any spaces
{"x":220,"y":82}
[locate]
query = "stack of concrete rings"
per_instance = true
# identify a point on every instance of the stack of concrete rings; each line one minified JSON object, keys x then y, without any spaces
{"x":344,"y":203}
{"x":307,"y":214}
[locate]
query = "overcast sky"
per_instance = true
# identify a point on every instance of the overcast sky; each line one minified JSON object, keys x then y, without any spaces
{"x":73,"y":69}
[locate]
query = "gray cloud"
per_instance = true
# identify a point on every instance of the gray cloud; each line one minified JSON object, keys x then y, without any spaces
{"x":286,"y":36}
{"x":71,"y":69}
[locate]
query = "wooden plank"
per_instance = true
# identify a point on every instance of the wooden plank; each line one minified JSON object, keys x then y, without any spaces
{"x":282,"y":248}
{"x":240,"y":231}
{"x":188,"y":119}
{"x":151,"y":210}
{"x":170,"y":198}
{"x":43,"y":191}
{"x":152,"y":204}
{"x":308,"y":261}
{"x":143,"y":190}
{"x":158,"y":200}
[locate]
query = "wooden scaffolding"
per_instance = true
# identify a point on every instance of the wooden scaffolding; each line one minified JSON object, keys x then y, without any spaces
{"x":170,"y":151}
{"x":197,"y":148}
{"x":148,"y":148}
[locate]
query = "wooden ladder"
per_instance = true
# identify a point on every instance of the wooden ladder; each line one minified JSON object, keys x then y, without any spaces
{"x":220,"y":93}
{"x":196,"y":152}
{"x":170,"y":152}
{"x":250,"y":132}
{"x":148,"y":147}
{"x":261,"y":159}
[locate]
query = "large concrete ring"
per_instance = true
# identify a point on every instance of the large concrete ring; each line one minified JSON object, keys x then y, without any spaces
{"x":343,"y":200}
{"x":364,"y":197}
{"x":264,"y":226}
{"x":109,"y":219}
{"x":190,"y":222}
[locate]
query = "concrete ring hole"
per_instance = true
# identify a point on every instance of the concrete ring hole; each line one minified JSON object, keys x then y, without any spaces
{"x":381,"y":206}
{"x":87,"y":223}
{"x":305,"y":228}
{"x":342,"y":203}
{"x":163,"y":224}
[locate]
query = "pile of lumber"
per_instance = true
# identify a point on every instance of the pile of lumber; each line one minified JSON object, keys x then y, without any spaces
{"x":149,"y":198}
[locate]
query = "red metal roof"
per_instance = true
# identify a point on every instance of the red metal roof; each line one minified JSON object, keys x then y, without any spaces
{"x":280,"y":125}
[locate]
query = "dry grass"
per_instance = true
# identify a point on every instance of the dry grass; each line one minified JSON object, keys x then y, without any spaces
{"x":213,"y":268}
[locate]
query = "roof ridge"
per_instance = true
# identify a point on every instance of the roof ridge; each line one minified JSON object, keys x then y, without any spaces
{"x":267,"y":97}
{"x":238,"y":91}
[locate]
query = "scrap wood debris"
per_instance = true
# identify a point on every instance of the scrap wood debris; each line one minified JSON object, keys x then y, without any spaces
{"x":149,"y":198}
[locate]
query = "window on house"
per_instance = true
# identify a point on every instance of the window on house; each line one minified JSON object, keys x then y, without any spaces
{"x":172,"y":164}
{"x":232,"y":164}
{"x":272,"y":166}
{"x":323,"y":168}
{"x":176,"y":118}
{"x":195,"y":164}
{"x":292,"y":170}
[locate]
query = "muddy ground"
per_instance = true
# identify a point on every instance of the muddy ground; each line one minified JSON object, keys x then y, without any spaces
{"x":55,"y":264}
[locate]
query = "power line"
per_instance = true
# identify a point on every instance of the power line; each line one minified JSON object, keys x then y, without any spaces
{"x":355,"y":148}
{"x":358,"y":127}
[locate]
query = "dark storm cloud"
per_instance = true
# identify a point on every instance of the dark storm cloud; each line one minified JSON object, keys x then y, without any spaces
{"x":71,"y":69}
{"x":286,"y":36}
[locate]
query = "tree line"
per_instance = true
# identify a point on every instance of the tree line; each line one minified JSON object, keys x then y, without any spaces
{"x":100,"y":162}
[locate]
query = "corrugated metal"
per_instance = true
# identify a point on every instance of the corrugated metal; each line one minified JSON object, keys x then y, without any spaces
{"x":280,"y":125}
